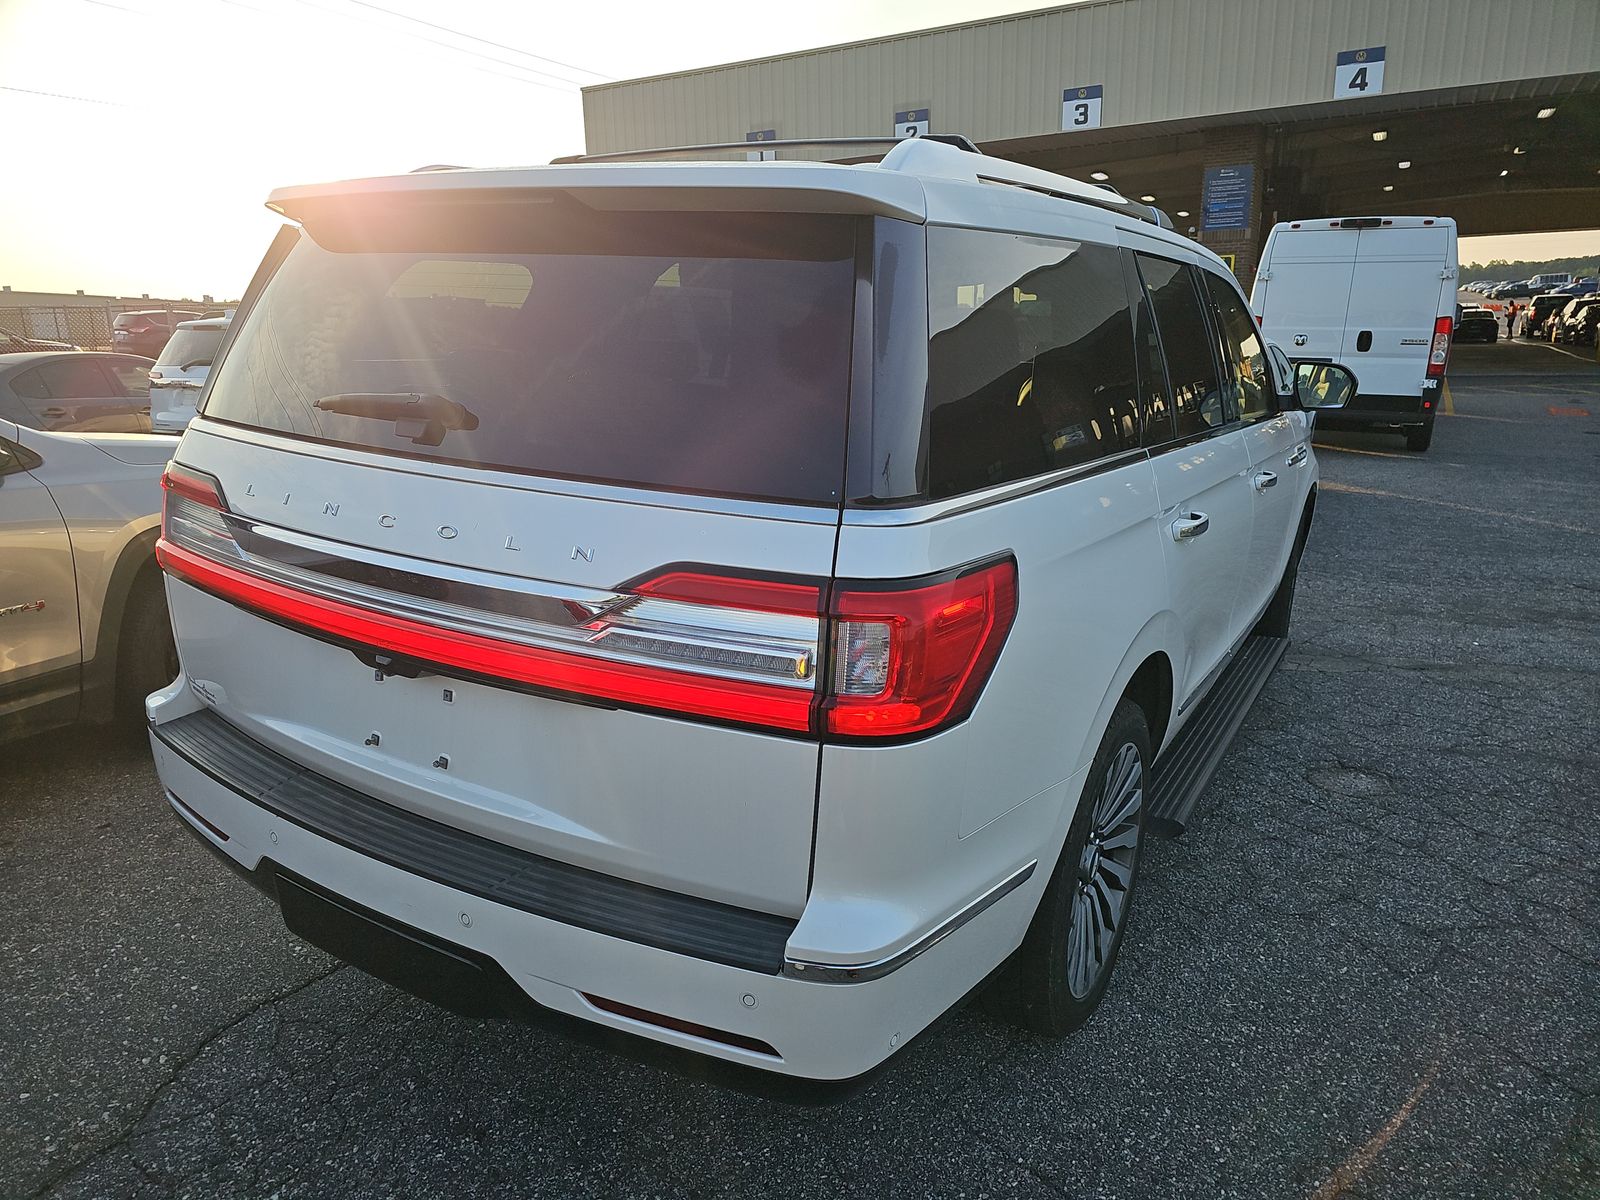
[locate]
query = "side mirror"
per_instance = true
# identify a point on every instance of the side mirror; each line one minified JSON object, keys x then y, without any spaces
{"x":1323,"y":385}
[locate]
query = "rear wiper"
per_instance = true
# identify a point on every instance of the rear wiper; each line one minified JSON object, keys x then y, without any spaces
{"x":195,"y":362}
{"x":421,"y":416}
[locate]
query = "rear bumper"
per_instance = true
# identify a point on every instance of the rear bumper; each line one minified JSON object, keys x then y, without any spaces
{"x":660,"y":955}
{"x":1366,"y":412}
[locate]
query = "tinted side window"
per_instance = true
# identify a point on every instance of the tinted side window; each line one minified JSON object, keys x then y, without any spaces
{"x":132,"y":379}
{"x":1246,"y":356}
{"x":1031,"y":363}
{"x":75,"y":379}
{"x":1186,"y":339}
{"x":29,"y":386}
{"x":1155,"y":395}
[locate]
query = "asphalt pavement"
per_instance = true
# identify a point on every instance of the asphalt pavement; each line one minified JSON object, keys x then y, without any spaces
{"x":1370,"y":969}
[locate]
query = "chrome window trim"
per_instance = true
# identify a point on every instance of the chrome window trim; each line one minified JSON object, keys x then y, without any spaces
{"x":815,"y":972}
{"x":950,"y":506}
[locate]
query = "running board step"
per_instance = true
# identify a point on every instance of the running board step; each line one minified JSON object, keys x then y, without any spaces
{"x":1181,"y":773}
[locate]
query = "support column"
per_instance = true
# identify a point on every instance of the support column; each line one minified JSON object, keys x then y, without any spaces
{"x":1233,"y":147}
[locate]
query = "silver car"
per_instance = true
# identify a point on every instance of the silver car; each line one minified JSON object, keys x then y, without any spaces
{"x":84,"y":632}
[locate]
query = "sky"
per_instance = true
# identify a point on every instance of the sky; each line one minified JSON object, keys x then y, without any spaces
{"x":151,"y":131}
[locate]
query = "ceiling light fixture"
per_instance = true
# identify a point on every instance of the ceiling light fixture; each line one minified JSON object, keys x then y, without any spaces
{"x":1405,"y":164}
{"x":1380,"y":135}
{"x":1183,"y":212}
{"x":1503,"y":174}
{"x":1099,"y":176}
{"x":1148,"y":199}
{"x":1546,"y":113}
{"x":1518,"y":150}
{"x":1388,"y":187}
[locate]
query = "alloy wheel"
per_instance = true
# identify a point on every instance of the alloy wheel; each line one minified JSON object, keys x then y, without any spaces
{"x":1105,"y":872}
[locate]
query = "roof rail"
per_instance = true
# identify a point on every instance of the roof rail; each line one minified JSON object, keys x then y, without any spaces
{"x":948,"y":139}
{"x":915,"y":159}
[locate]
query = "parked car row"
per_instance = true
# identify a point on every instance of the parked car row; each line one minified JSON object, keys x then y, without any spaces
{"x":1565,"y":320}
{"x":1522,"y":289}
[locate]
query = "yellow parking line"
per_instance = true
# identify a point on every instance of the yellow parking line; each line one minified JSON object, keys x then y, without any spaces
{"x":1449,"y":401}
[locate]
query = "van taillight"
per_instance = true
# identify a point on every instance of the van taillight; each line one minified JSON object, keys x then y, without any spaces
{"x":910,"y":658}
{"x":1439,"y":352}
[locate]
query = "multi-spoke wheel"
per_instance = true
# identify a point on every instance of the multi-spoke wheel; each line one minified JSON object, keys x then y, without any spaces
{"x":1066,"y":960}
{"x":1105,"y":871}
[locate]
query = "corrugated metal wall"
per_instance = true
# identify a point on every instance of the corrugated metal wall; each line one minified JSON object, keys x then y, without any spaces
{"x":1160,"y":60}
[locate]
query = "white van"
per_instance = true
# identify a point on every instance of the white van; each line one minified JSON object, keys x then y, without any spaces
{"x":1376,"y":294}
{"x":743,"y":605}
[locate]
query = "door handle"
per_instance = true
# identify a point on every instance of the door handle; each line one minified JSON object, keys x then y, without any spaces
{"x":1295,"y":459}
{"x":1190,"y":525}
{"x":1264,"y":480}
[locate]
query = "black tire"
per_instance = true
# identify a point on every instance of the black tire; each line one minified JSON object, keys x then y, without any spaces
{"x":1041,"y":989}
{"x":147,"y":657}
{"x":1494,"y":336}
{"x":1420,"y":438}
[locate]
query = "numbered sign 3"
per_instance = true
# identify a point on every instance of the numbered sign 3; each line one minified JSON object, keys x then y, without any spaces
{"x":912,"y":122}
{"x":1358,"y":73}
{"x":1080,"y":107}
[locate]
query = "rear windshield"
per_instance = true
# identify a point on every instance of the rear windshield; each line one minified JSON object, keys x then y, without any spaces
{"x":705,"y":352}
{"x":191,"y":348}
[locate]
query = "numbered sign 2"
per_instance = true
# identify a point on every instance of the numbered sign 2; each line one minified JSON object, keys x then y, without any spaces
{"x":913,"y":122}
{"x":1080,"y":107}
{"x":1358,"y":73}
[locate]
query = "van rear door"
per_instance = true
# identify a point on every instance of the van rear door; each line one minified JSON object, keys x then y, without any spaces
{"x":525,"y":514}
{"x":1397,"y":290}
{"x":1303,"y":290}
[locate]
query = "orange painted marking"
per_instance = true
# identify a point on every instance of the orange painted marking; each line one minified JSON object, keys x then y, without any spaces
{"x":1566,"y":410}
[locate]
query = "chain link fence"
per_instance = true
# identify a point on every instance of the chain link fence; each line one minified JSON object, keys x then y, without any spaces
{"x":86,"y":326}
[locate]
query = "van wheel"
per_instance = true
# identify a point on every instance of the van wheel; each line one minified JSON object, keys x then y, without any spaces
{"x":1420,"y":439}
{"x":1061,"y":972}
{"x":147,"y":657}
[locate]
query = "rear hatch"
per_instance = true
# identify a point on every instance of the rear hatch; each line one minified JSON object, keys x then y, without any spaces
{"x":180,"y":373}
{"x":528,"y":512}
{"x":1303,"y":293}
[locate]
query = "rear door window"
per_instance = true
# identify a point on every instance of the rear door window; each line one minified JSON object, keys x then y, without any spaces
{"x":76,"y":394}
{"x":700,"y":352}
{"x":1031,"y":358}
{"x":1197,"y":396}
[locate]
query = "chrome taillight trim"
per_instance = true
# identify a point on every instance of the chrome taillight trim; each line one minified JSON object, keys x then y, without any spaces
{"x":711,"y":636}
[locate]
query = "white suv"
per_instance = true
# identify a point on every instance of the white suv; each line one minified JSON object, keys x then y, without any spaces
{"x":739,"y":604}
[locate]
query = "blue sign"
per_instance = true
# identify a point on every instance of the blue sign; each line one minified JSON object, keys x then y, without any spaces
{"x":1225,"y":197}
{"x":762,"y":135}
{"x":1372,"y":54}
{"x":911,"y":116}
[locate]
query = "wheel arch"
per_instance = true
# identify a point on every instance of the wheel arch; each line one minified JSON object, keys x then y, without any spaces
{"x":137,"y":561}
{"x":1146,"y":673}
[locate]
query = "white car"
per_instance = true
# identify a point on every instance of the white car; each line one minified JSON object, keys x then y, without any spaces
{"x":83,"y":615}
{"x":742,"y":605}
{"x":180,"y":373}
{"x":1376,"y":294}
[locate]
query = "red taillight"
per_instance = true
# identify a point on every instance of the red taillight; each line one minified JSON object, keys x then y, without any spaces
{"x":909,"y":659}
{"x":194,"y":485}
{"x":909,"y":656}
{"x":1439,"y":352}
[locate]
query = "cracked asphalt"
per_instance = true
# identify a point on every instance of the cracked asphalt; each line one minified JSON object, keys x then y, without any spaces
{"x":1371,"y":968}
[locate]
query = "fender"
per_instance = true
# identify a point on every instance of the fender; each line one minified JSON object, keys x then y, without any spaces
{"x":100,"y":672}
{"x":1162,"y":634}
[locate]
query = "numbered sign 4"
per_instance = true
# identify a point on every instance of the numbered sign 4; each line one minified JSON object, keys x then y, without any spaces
{"x":1358,"y":73}
{"x":1080,"y":107}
